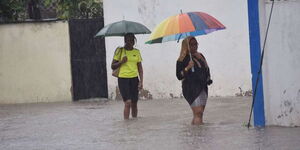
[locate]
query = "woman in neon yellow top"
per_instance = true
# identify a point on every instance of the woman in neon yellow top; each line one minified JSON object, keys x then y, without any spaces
{"x":130,"y":78}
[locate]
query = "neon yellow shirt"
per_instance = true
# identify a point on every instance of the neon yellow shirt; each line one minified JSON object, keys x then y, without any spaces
{"x":128,"y":69}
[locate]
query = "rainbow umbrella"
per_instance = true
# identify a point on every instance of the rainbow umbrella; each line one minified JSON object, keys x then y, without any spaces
{"x":180,"y":26}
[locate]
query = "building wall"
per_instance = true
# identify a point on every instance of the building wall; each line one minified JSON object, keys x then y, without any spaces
{"x":281,"y":63}
{"x":227,"y":51}
{"x":35,"y":62}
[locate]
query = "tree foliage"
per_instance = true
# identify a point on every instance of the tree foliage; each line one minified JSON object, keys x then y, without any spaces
{"x":12,"y":10}
{"x":15,"y":10}
{"x":67,"y":9}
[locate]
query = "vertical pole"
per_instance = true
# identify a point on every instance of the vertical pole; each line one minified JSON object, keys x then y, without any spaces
{"x":255,"y":56}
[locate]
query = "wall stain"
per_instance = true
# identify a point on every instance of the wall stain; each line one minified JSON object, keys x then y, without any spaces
{"x":243,"y":93}
{"x":146,"y":9}
{"x":287,"y":109}
{"x":143,"y":94}
{"x":287,"y":103}
{"x":298,"y":95}
{"x":118,"y":94}
{"x":291,"y":109}
{"x":172,"y":96}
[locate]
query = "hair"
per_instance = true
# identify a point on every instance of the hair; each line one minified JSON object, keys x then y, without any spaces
{"x":185,"y":47}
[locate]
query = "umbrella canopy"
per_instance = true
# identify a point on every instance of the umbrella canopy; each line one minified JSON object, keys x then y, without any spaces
{"x":120,"y":28}
{"x":180,"y":26}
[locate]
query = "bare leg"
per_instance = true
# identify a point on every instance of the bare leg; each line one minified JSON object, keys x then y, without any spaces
{"x":198,"y":115}
{"x":134,"y":109}
{"x":127,"y":109}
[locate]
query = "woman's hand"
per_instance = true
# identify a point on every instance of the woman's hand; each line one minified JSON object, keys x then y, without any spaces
{"x":209,"y":82}
{"x":124,"y":60}
{"x":190,"y":65}
{"x":140,"y":86}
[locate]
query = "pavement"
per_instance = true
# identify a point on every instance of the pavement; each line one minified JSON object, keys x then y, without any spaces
{"x":161,"y":124}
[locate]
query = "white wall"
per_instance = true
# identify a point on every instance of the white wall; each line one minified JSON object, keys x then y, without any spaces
{"x":227,"y":51}
{"x":35,"y":62}
{"x":281,"y":73}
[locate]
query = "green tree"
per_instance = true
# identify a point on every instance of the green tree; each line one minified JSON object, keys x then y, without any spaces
{"x":67,"y":9}
{"x":16,"y":10}
{"x":12,"y":10}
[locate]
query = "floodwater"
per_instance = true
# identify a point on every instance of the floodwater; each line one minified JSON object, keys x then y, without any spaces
{"x":162,"y":124}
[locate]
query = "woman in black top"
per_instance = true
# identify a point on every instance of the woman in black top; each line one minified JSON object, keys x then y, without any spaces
{"x":195,"y":77}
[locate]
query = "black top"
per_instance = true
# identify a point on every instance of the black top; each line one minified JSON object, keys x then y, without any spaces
{"x":193,"y":82}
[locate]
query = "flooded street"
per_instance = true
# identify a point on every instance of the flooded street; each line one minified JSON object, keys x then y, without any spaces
{"x":162,"y":124}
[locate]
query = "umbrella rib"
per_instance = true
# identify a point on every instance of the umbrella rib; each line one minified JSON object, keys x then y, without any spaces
{"x":126,"y":28}
{"x":108,"y":29}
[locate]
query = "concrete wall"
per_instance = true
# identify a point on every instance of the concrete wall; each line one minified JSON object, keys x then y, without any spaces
{"x":227,"y":51}
{"x":281,"y":71}
{"x":35,"y":62}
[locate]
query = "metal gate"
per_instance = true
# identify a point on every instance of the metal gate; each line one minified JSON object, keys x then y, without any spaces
{"x":88,"y":59}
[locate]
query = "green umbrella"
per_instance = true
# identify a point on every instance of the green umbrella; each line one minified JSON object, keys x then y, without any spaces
{"x":120,"y":28}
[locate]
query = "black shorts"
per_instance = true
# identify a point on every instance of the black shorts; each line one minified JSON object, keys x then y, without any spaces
{"x":129,"y":88}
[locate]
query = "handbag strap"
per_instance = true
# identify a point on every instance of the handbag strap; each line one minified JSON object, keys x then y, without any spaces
{"x":122,"y":49}
{"x":121,"y":53}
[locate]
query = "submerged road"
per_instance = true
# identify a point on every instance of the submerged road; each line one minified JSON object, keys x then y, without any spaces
{"x":161,"y":124}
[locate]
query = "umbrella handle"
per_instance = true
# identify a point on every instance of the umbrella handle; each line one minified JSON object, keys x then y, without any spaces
{"x":193,"y":70}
